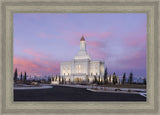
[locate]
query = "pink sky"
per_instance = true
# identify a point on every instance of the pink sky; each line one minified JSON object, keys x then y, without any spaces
{"x":43,"y":41}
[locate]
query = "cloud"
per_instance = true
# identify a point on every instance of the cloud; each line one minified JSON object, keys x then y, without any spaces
{"x":74,"y":42}
{"x":37,"y":66}
{"x":44,"y":35}
{"x":134,"y":41}
{"x":98,"y":35}
{"x":131,"y":52}
{"x":102,"y":35}
{"x":33,"y":53}
{"x":24,"y":64}
{"x":40,"y":63}
{"x":96,"y":44}
{"x":136,"y":38}
{"x":89,"y":43}
{"x":97,"y":54}
{"x":133,"y":60}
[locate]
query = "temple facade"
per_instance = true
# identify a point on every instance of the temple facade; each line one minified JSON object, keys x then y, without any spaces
{"x":82,"y":68}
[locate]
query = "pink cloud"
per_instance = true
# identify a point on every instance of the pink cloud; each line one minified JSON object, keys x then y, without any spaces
{"x":34,"y":53}
{"x":44,"y":35}
{"x":133,"y":60}
{"x":74,"y":42}
{"x":134,"y":41}
{"x":98,"y":35}
{"x":97,"y":54}
{"x":24,"y":64}
{"x":105,"y":35}
{"x":95,"y":43}
{"x":136,"y":38}
{"x":36,"y":65}
{"x":53,"y":36}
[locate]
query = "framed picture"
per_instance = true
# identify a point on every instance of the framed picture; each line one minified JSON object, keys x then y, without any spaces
{"x":79,"y":57}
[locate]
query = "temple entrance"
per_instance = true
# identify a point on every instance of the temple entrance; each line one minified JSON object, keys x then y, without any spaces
{"x":77,"y":80}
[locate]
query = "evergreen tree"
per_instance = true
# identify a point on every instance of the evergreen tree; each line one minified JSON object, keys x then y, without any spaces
{"x":62,"y":80}
{"x":106,"y":81}
{"x":144,"y":80}
{"x":25,"y":77}
{"x":131,"y":78}
{"x":110,"y":78}
{"x":15,"y":75}
{"x":114,"y":78}
{"x":21,"y":77}
{"x":59,"y":78}
{"x":124,"y":78}
{"x":69,"y":80}
{"x":95,"y":79}
{"x":49,"y":79}
{"x":56,"y":78}
{"x":87,"y":78}
{"x":105,"y":74}
{"x":98,"y":81}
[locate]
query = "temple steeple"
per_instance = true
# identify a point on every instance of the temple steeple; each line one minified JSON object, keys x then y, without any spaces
{"x":82,"y":38}
{"x":82,"y":54}
{"x":82,"y":44}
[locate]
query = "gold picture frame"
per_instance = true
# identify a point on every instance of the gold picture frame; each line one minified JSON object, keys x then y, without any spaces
{"x":8,"y":7}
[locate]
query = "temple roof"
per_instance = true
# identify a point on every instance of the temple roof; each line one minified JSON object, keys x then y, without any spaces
{"x":82,"y":38}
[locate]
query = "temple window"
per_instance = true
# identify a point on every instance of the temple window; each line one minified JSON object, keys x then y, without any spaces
{"x":96,"y":66}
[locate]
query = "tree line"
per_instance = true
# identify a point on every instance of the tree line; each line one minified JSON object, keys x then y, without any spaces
{"x":96,"y":80}
{"x":23,"y":78}
{"x":130,"y":80}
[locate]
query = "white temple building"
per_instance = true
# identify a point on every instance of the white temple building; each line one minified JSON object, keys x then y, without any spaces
{"x":82,"y":68}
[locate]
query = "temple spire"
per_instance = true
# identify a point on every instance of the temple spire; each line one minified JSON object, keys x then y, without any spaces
{"x":82,"y":38}
{"x":82,"y":54}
